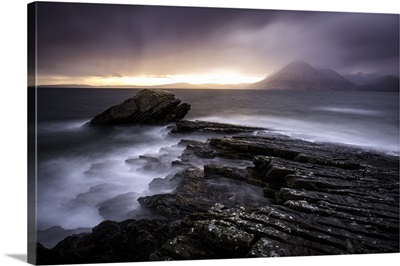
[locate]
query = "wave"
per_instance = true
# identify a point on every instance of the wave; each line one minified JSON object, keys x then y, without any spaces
{"x":82,"y":170}
{"x":370,"y":136}
{"x":350,"y":111}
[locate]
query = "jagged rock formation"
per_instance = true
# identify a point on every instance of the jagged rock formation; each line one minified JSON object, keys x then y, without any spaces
{"x":51,"y":236}
{"x":256,"y":196}
{"x":146,"y":107}
{"x":186,"y":126}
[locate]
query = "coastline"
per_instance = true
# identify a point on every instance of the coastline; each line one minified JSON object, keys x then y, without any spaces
{"x":316,"y":199}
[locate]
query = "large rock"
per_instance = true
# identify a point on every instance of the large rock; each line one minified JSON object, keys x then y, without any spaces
{"x":152,"y":107}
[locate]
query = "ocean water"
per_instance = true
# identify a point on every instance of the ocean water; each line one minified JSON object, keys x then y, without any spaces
{"x":82,"y":173}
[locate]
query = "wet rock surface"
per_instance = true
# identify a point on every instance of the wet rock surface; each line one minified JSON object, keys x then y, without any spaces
{"x":109,"y":241}
{"x":185,"y":126}
{"x":51,"y":236}
{"x":152,"y":107}
{"x":244,"y":194}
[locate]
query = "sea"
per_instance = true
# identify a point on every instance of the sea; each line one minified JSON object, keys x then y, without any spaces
{"x":84,"y":175}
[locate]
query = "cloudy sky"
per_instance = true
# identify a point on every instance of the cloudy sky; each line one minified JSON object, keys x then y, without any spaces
{"x":125,"y":44}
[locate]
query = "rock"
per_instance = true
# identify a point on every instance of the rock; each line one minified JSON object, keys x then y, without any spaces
{"x":197,"y":191}
{"x":46,"y":256}
{"x":151,"y":107}
{"x":246,"y":175}
{"x":51,"y":236}
{"x":201,"y":150}
{"x":266,"y":247}
{"x":185,"y":126}
{"x":161,"y":184}
{"x":187,"y":198}
{"x":118,"y":208}
{"x":224,"y":236}
{"x":147,"y":162}
{"x":185,"y":248}
{"x":173,"y":207}
{"x":125,"y":241}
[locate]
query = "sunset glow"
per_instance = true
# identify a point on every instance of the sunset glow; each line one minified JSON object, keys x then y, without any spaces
{"x":151,"y":80}
{"x":222,"y":78}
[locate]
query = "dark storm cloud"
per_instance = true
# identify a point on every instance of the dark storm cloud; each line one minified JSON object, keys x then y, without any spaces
{"x":359,"y":41}
{"x":87,"y":39}
{"x":118,"y":40}
{"x":105,"y":37}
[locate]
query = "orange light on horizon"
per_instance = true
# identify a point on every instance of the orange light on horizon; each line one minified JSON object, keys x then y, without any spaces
{"x":217,"y":78}
{"x":221,"y":78}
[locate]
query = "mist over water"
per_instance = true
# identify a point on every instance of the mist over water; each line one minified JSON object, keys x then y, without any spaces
{"x":364,"y":119}
{"x":81,"y":168}
{"x":351,"y":132}
{"x":86,"y":175}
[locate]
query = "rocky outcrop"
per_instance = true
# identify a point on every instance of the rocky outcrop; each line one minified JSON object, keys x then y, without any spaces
{"x":185,"y":126}
{"x":109,"y":241}
{"x":152,"y":107}
{"x":253,"y":195}
{"x":51,"y":236}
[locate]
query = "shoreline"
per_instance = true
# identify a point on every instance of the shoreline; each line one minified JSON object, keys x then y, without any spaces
{"x":312,"y":194}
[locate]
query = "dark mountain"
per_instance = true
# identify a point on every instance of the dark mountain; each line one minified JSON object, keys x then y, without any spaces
{"x":374,"y":82}
{"x":300,"y":75}
{"x":387,"y":83}
{"x":337,"y":81}
{"x":182,"y":85}
{"x":361,"y":78}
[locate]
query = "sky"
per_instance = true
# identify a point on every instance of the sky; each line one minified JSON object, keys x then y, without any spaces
{"x":98,"y":44}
